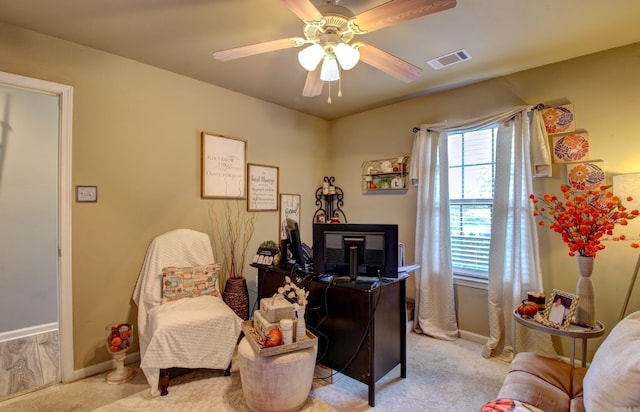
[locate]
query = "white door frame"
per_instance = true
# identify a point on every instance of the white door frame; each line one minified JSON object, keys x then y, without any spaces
{"x":65,"y":195}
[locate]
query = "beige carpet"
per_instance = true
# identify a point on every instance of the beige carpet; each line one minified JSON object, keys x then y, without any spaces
{"x":441,"y":376}
{"x":201,"y":390}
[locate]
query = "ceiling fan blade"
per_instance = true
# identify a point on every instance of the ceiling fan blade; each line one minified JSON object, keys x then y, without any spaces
{"x":388,"y":63}
{"x":304,"y":9}
{"x":258,"y":48}
{"x":313,"y":84}
{"x":397,"y":11}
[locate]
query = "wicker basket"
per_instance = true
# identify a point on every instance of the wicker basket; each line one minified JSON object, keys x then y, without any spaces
{"x":236,"y":295}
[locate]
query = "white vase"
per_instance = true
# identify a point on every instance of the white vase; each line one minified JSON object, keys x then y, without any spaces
{"x":585,"y":311}
{"x":301,"y":328}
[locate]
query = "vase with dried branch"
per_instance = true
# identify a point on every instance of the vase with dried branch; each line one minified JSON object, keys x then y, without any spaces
{"x":232,"y":229}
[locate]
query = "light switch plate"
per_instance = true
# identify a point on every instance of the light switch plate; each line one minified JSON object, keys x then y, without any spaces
{"x":86,"y":193}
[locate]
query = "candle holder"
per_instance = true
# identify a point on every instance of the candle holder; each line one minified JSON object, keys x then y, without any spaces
{"x":119,"y":341}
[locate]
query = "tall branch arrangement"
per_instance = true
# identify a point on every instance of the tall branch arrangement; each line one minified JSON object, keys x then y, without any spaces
{"x":232,"y":230}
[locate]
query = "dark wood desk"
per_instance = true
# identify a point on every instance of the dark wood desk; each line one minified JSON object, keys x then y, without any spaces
{"x":361,"y":333}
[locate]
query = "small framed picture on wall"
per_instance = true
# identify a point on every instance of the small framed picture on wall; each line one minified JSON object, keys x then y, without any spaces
{"x":289,"y":209}
{"x":262,"y":187}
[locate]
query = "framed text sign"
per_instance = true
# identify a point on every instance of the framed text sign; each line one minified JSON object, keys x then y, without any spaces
{"x":289,"y":208}
{"x":223,"y":167}
{"x":262,"y":188}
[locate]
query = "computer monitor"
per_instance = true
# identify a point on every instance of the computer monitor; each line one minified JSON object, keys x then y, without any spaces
{"x":293,"y":244}
{"x":375,"y":246}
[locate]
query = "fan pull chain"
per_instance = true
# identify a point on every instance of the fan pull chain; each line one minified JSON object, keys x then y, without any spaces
{"x":329,"y":99}
{"x":340,"y":86}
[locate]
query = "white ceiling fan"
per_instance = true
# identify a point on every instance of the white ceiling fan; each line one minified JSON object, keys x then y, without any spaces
{"x":329,"y":30}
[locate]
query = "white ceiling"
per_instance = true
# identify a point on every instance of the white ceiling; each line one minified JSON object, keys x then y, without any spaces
{"x":502,"y":37}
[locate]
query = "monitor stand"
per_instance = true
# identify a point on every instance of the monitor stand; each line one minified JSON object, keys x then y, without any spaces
{"x":353,"y":263}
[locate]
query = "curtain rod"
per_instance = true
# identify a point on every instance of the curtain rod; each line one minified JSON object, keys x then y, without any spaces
{"x":538,"y":106}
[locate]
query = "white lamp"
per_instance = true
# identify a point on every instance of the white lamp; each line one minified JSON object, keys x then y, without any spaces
{"x":310,"y":57}
{"x":628,"y":185}
{"x":347,"y":56}
{"x":624,"y":186}
{"x":329,"y":71}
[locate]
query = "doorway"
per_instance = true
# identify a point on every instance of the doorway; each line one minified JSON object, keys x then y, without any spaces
{"x":35,"y":246}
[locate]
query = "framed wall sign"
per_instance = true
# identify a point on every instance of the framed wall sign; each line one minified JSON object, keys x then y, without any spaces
{"x":289,"y":208}
{"x":262,"y":187}
{"x":223,"y":167}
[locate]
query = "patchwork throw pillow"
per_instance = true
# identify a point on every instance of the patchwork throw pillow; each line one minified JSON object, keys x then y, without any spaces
{"x":189,"y":282}
{"x":613,"y":378}
{"x":508,"y":405}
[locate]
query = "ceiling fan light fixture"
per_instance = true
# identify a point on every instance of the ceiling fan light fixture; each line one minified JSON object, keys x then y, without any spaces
{"x":311,"y":56}
{"x":347,"y":56}
{"x":329,"y":71}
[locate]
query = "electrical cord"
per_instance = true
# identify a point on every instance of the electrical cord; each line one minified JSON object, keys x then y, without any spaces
{"x":257,"y":302}
{"x":315,"y":329}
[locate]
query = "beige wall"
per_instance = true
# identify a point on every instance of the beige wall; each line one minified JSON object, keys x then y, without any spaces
{"x":136,"y":136}
{"x":605,"y":91}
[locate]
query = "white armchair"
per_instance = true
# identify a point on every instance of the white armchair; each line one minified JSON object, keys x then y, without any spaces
{"x":191,"y":332}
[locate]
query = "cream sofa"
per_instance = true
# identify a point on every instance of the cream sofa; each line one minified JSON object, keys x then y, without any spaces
{"x":610,"y":384}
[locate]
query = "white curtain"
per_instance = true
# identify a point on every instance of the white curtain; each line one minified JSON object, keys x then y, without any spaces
{"x":514,"y":263}
{"x":435,"y":313}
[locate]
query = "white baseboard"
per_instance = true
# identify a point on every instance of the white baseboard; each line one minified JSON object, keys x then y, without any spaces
{"x":466,"y":335}
{"x":102,"y":367}
{"x":473,"y":337}
{"x":30,"y":331}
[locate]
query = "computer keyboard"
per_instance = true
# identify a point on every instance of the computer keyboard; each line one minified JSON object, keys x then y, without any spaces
{"x":362,"y":284}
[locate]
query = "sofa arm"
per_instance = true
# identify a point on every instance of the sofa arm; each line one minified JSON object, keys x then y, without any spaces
{"x":546,"y":383}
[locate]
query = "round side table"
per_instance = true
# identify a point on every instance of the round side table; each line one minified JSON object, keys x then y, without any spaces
{"x":574,"y":332}
{"x":276,"y":383}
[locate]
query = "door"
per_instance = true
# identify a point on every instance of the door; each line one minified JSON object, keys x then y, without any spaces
{"x":33,"y":183}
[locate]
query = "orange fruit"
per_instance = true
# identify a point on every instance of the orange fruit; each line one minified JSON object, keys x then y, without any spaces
{"x":273,"y":337}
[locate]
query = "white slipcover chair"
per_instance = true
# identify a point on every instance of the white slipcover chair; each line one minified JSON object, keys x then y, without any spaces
{"x":199,"y":332}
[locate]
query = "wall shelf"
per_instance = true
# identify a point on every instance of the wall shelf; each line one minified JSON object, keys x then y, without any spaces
{"x":329,"y":200}
{"x":388,"y":175}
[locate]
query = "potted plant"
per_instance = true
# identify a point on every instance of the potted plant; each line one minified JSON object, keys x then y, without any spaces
{"x":232,"y":229}
{"x":270,"y":251}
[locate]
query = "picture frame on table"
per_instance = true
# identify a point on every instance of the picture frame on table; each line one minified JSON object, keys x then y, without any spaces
{"x":223,"y":167}
{"x":560,"y":309}
{"x":289,"y":208}
{"x":262,"y":187}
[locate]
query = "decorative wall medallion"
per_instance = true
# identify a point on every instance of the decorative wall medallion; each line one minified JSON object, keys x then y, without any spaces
{"x":572,"y":147}
{"x":559,"y":119}
{"x":586,"y":176}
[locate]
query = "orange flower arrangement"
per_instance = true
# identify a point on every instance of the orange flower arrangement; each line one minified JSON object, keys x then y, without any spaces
{"x":584,"y":218}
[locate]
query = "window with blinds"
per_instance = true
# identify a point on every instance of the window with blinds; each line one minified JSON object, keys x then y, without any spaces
{"x":471,"y":183}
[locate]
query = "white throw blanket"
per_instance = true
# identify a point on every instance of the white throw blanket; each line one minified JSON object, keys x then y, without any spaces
{"x":192,"y":332}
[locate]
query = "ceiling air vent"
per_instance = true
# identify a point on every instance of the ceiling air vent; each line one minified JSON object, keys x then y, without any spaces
{"x":449,"y":59}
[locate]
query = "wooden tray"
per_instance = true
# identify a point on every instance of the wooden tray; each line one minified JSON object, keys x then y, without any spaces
{"x":254,"y":339}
